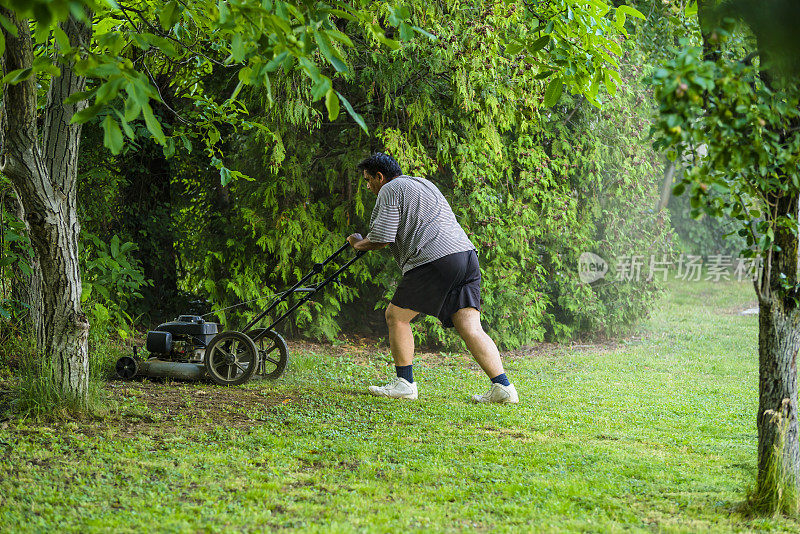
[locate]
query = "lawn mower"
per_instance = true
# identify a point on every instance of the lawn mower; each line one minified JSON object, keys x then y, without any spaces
{"x":191,"y":348}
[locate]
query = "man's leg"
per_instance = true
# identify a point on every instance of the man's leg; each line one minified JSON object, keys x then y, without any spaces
{"x":468,"y":323}
{"x":401,"y":341}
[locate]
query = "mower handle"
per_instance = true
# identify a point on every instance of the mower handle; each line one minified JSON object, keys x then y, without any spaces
{"x":318,"y":267}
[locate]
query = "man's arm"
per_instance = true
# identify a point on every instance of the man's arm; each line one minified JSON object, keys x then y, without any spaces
{"x":362,"y":243}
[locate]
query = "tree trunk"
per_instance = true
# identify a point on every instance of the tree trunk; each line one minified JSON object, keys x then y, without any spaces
{"x":779,"y":341}
{"x":44,"y":178}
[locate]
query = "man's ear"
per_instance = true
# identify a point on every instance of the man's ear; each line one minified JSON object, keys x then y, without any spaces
{"x":380,"y":176}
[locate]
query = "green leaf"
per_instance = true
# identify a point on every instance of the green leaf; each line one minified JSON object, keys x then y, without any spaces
{"x":78,"y":97}
{"x":61,"y":39}
{"x":679,"y":188}
{"x":139,"y":90}
{"x":225,"y":176}
{"x":45,"y":64}
{"x":356,"y":117}
{"x":321,"y":88}
{"x":628,"y":10}
{"x":8,"y":25}
{"x":332,"y":103}
{"x":101,"y":313}
{"x":237,"y":48}
{"x":276,"y":62}
{"x":86,"y":292}
{"x":112,"y":138}
{"x":614,"y":47}
{"x":553,"y":92}
{"x":105,"y":70}
{"x":169,"y":148}
{"x":16,"y":76}
{"x":166,"y":46}
{"x":619,"y":16}
{"x":339,"y":36}
{"x":426,"y":34}
{"x":329,"y":52}
{"x":169,"y":15}
{"x":125,"y":126}
{"x":152,"y":124}
{"x":406,"y":32}
{"x":538,"y":44}
{"x":108,"y":91}
{"x":513,"y":48}
{"x":132,"y":109}
{"x":86,"y":114}
{"x":377,"y":31}
{"x":611,"y":87}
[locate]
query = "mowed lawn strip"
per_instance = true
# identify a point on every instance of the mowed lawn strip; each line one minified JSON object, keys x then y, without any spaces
{"x":655,"y":432}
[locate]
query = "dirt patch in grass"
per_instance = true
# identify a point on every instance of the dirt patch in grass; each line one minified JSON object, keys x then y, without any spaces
{"x":559,"y":350}
{"x":163,"y":406}
{"x":368,"y":351}
{"x":361,"y":350}
{"x":738,"y":310}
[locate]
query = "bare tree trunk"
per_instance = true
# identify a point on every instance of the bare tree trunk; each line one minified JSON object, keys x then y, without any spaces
{"x":778,"y":343}
{"x":44,"y":178}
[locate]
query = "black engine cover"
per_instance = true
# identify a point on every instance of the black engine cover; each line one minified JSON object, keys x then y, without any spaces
{"x":159,"y":342}
{"x":186,"y":327}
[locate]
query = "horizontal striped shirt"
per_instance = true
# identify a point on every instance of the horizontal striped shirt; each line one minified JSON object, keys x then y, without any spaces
{"x":413,"y":216}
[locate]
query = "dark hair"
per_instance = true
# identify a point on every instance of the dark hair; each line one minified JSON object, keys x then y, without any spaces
{"x":383,"y":163}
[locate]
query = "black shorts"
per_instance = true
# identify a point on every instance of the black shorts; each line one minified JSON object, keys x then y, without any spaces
{"x":442,"y":287}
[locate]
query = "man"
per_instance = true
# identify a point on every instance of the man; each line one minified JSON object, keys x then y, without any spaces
{"x":441,"y":276}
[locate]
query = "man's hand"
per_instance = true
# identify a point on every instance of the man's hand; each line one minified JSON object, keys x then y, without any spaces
{"x":353,"y":239}
{"x":362,"y":243}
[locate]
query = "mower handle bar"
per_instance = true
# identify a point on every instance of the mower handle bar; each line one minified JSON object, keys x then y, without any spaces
{"x":318,"y":267}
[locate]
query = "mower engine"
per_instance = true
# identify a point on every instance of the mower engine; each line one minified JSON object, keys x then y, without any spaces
{"x":183,"y":340}
{"x":177,"y":350}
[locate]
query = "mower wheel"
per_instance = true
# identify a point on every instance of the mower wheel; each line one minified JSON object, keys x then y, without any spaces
{"x":127,"y":367}
{"x":231,"y":358}
{"x":272,"y":352}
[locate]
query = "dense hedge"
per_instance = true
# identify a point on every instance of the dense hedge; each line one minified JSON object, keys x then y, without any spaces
{"x":533,"y":187}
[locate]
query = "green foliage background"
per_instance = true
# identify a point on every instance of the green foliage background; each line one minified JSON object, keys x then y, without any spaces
{"x":533,"y":186}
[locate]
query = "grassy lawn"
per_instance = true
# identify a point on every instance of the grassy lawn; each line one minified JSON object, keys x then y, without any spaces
{"x":652,"y":433}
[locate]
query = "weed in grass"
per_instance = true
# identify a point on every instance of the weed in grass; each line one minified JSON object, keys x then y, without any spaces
{"x":16,"y":341}
{"x":103,"y":356}
{"x":35,"y":393}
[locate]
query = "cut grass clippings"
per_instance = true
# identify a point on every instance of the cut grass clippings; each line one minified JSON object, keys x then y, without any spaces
{"x":651,"y":433}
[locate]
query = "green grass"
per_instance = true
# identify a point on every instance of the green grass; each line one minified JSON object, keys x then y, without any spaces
{"x":651,"y":433}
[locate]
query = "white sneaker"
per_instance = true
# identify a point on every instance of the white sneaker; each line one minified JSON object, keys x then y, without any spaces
{"x":399,"y":388}
{"x":500,"y":394}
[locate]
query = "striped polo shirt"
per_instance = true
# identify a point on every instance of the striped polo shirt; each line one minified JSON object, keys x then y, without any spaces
{"x":413,"y":216}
